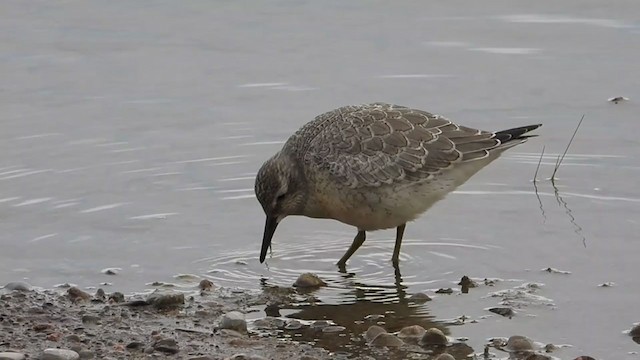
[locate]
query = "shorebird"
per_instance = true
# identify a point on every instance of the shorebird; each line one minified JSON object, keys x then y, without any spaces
{"x":374,"y":166}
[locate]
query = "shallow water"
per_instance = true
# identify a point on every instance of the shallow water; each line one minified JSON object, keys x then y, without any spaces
{"x":131,"y":134}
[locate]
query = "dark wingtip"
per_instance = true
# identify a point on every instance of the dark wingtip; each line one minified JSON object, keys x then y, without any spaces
{"x":516,"y":133}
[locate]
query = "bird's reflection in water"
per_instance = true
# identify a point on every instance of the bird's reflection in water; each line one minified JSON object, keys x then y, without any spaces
{"x":358,"y":306}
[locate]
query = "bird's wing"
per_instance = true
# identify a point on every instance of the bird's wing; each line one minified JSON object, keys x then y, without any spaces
{"x":370,"y":145}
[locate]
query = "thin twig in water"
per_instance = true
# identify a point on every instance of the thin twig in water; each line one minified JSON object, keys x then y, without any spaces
{"x":577,"y":228}
{"x":553,"y":176}
{"x":535,"y":176}
{"x":535,"y":187}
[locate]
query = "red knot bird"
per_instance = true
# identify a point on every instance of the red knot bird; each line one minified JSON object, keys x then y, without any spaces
{"x":375,"y":166}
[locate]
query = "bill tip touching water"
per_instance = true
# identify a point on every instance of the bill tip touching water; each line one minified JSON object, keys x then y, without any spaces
{"x":373,"y":166}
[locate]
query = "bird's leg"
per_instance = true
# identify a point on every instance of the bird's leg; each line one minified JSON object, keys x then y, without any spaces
{"x":396,"y":250}
{"x":357,"y":241}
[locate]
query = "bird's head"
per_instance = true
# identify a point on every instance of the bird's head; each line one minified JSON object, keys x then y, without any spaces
{"x":280,"y":189}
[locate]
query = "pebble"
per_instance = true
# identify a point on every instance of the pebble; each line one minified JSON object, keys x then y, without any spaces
{"x":76,"y":294}
{"x":12,"y":355}
{"x":205,"y":285}
{"x":434,"y":336}
{"x":503,"y":311}
{"x":100,"y":295}
{"x":230,"y":333}
{"x":444,"y":356}
{"x":309,"y":280}
{"x":444,"y":291}
{"x":466,"y":283}
{"x":164,"y":300}
{"x":168,"y":346}
{"x":73,"y":338}
{"x":111,"y":271}
{"x":59,"y":354}
{"x":245,"y":357}
{"x":135,"y":346}
{"x":518,"y":343}
{"x":234,"y":320}
{"x":293,"y":325}
{"x":419,"y":298}
{"x":320,"y":324}
{"x":386,"y":339}
{"x":584,"y":358}
{"x":413,"y":331}
{"x":538,"y":357}
{"x":333,"y":329}
{"x":90,"y":320}
{"x":42,"y":327}
{"x":86,"y":354}
{"x":116,"y":297}
{"x":372,"y":332}
{"x":635,"y":331}
{"x":18,"y":286}
{"x":269,"y":323}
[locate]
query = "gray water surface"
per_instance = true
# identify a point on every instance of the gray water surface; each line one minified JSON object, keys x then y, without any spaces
{"x":131,"y":132}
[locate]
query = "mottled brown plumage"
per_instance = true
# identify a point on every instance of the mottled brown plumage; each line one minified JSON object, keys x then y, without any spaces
{"x":373,"y":166}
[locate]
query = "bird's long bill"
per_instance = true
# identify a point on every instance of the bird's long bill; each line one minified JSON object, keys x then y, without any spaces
{"x":269,"y":228}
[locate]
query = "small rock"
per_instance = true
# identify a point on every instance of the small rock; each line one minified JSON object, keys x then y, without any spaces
{"x":503,"y":311}
{"x":444,"y":356}
{"x":168,"y":346}
{"x":90,"y":320}
{"x":234,"y":320}
{"x":607,"y":284}
{"x":59,"y":354}
{"x":413,"y":331}
{"x":135,"y":346}
{"x":42,"y":327}
{"x":584,"y":358}
{"x":272,"y":310}
{"x":86,"y":354}
{"x":434,"y":336}
{"x":386,"y":339}
{"x":309,"y":280}
{"x":320,"y":324}
{"x":460,"y":350}
{"x":230,"y":333}
{"x":76,"y":294}
{"x":618,"y":99}
{"x":635,"y":331}
{"x":372,"y":332}
{"x":163,"y":300}
{"x":333,"y":329}
{"x":205,"y":285}
{"x":12,"y":355}
{"x":419,"y":298}
{"x":54,"y":336}
{"x":116,"y":297}
{"x":444,"y":291}
{"x":517,"y":343}
{"x":111,"y":271}
{"x":293,"y":325}
{"x":245,"y":357}
{"x":18,"y":286}
{"x":269,"y":323}
{"x":73,"y":338}
{"x":536,"y":356}
{"x":100,"y":295}
{"x":556,"y":271}
{"x":466,"y":283}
